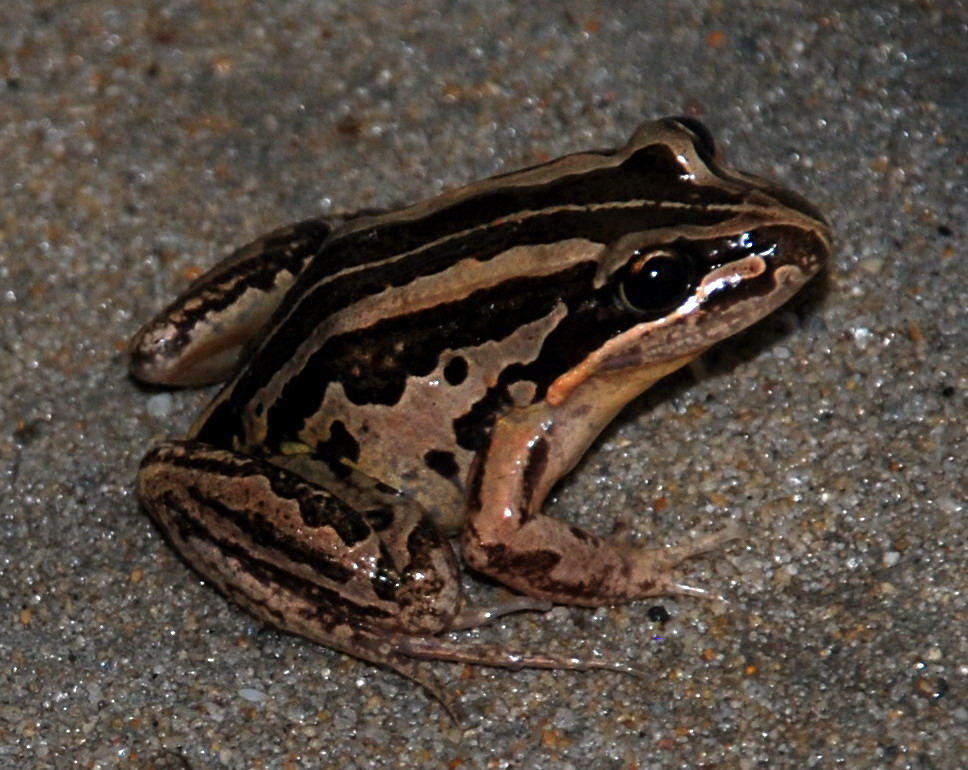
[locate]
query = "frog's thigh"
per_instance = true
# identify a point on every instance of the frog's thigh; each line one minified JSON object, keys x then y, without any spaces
{"x":297,"y":557}
{"x":200,"y":336}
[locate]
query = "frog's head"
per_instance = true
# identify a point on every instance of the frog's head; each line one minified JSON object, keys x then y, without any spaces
{"x":703,"y":252}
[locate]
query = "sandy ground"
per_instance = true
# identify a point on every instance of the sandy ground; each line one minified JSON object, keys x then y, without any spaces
{"x":138,"y":144}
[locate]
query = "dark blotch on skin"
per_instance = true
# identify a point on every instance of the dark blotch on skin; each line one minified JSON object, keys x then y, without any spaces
{"x":374,"y":364}
{"x":581,"y":535}
{"x":423,"y":539}
{"x":385,"y":580}
{"x":385,"y":489}
{"x":475,"y":481}
{"x":442,"y":463}
{"x":534,"y":565}
{"x":473,"y":427}
{"x":379,"y":519}
{"x":533,"y":472}
{"x":320,"y":509}
{"x":255,"y":527}
{"x":339,"y":446}
{"x":455,"y":372}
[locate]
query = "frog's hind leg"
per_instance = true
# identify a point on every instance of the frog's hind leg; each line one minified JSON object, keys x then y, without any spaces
{"x":200,"y":337}
{"x":296,"y":556}
{"x":381,"y":585}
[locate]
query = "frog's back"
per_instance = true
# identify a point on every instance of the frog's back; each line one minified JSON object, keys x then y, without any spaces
{"x":411,"y":332}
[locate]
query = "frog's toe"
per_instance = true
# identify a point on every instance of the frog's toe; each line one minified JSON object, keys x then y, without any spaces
{"x":681,"y":589}
{"x":710,"y":541}
{"x":471,"y":617}
{"x":656,"y":573}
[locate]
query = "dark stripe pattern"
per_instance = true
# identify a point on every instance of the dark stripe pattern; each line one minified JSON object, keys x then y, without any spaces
{"x":473,"y":229}
{"x":468,"y":229}
{"x":248,"y":534}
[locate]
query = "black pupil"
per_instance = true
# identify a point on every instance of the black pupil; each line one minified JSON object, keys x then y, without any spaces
{"x":660,"y":284}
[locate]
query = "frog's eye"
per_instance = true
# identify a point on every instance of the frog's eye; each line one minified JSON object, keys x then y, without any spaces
{"x":656,"y":282}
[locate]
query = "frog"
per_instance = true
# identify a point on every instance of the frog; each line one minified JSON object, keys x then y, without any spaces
{"x":397,"y":379}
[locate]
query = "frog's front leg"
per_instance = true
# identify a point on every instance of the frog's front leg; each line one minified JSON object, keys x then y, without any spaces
{"x":507,"y":537}
{"x":199,"y":338}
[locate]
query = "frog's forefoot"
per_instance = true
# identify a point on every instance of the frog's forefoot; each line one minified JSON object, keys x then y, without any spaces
{"x":656,"y":571}
{"x":710,"y":541}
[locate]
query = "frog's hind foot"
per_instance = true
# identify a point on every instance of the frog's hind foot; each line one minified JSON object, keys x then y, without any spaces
{"x":407,"y":652}
{"x":417,"y":672}
{"x":657,"y":567}
{"x":497,"y":656}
